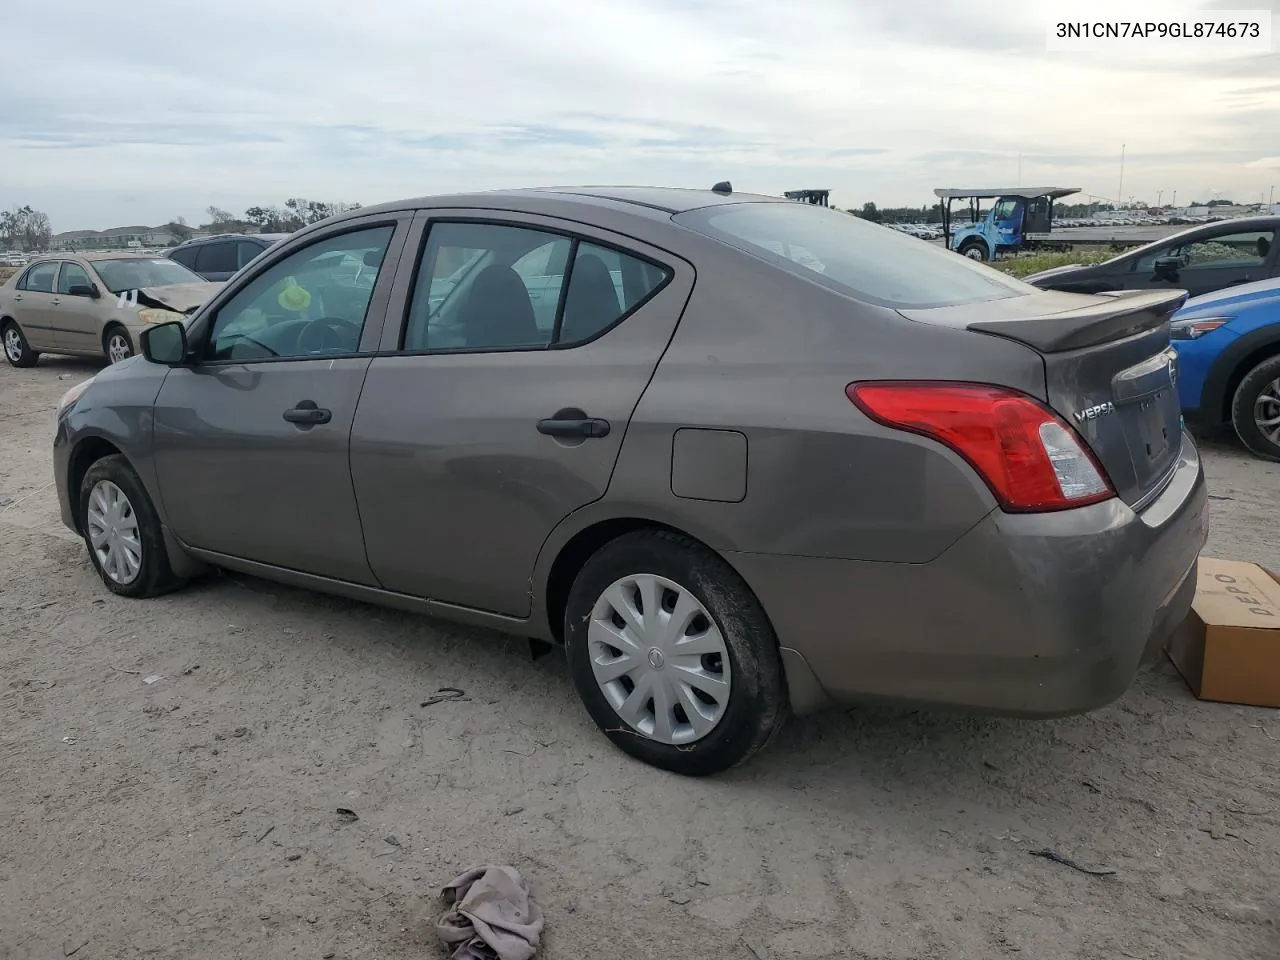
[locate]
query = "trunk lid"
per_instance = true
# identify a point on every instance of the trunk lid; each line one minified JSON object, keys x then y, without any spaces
{"x":1109,"y":372}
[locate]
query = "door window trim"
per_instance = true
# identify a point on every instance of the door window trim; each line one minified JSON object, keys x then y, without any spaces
{"x":26,"y":275}
{"x":497,"y":220}
{"x":375,"y":313}
{"x":57,"y":282}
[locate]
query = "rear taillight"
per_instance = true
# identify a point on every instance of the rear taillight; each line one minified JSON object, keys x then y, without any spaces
{"x":1029,"y":457}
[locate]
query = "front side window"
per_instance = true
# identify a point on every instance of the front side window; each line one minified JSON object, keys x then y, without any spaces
{"x":853,"y":256}
{"x":312,"y":303}
{"x":72,"y":275}
{"x":1006,"y":209}
{"x":39,"y":279}
{"x":1248,"y":249}
{"x":486,"y":286}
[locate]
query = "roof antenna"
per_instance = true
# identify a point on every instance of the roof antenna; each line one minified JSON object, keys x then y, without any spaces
{"x":724,"y":186}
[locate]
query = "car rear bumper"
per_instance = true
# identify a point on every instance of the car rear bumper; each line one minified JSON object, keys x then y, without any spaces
{"x":1027,"y":614}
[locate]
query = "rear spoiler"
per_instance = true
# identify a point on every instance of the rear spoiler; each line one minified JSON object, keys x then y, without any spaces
{"x":1107,"y":317}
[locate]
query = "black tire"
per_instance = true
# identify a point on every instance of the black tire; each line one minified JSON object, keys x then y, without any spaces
{"x":757,"y":701}
{"x":154,"y":576}
{"x":13,"y":340}
{"x":970,"y":247}
{"x":1263,"y":377}
{"x":115,"y":330}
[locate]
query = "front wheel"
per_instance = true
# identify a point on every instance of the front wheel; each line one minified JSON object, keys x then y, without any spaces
{"x":1255,"y":410}
{"x":116,"y":344}
{"x":974,"y":250}
{"x":673,"y":655}
{"x":122,"y":531}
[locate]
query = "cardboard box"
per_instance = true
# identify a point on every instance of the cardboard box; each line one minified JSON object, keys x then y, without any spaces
{"x":1228,"y":648}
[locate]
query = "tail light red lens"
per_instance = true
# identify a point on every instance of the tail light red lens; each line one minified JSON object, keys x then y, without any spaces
{"x":1029,"y":456}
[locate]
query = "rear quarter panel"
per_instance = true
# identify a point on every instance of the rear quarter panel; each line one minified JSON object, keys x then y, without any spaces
{"x":769,"y":355}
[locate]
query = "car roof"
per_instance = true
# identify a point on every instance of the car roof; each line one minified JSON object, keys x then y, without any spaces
{"x":112,"y":255}
{"x":195,"y":241}
{"x":665,"y":200}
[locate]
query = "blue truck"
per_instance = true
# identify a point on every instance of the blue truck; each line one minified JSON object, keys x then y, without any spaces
{"x":1020,"y":216}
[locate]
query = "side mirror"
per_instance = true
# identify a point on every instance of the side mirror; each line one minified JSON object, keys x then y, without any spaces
{"x":84,"y":290}
{"x":1168,"y":267}
{"x":165,"y":343}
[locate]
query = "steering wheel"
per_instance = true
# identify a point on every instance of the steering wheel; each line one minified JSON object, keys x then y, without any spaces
{"x":329,"y":335}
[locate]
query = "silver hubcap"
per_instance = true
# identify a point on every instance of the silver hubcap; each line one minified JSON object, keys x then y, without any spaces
{"x":974,"y":253}
{"x":659,"y":659}
{"x":1266,"y":411}
{"x":118,"y":348}
{"x":12,"y":345}
{"x":113,"y":532}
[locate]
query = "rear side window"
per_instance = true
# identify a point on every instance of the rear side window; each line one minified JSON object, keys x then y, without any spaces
{"x":853,"y":256}
{"x":186,"y":256}
{"x":489,"y":286}
{"x":39,"y":279}
{"x":217,"y":258}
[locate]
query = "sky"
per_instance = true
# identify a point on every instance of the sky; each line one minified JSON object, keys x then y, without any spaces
{"x":139,"y":112}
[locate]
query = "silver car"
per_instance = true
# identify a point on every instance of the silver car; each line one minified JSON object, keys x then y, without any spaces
{"x":736,"y":455}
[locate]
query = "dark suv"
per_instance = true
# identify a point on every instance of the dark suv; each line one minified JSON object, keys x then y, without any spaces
{"x":218,"y":258}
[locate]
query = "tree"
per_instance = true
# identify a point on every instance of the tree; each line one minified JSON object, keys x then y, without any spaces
{"x":179,"y":229}
{"x":296,"y":213}
{"x":223,"y":221}
{"x":25,"y":228}
{"x":869,"y":212}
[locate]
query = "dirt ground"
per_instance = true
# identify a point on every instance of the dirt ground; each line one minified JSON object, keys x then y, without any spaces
{"x":195,"y":816}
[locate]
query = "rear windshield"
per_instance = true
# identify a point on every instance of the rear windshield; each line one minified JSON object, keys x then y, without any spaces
{"x":852,"y":255}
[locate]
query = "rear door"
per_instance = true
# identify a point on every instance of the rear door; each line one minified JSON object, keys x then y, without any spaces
{"x":490,"y":418}
{"x":218,"y":260}
{"x":35,"y":305}
{"x":251,"y":439}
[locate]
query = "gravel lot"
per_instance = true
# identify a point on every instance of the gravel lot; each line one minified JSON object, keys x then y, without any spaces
{"x":195,"y":816}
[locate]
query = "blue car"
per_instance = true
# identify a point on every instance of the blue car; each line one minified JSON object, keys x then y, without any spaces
{"x":1228,"y":345}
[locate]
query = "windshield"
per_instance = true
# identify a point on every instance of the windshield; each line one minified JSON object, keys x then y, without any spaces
{"x":134,"y":274}
{"x":853,"y":256}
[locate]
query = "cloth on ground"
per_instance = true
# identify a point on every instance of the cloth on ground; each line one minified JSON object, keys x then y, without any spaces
{"x":490,"y":915}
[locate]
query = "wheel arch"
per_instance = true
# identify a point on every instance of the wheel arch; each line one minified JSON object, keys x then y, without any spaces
{"x":84,"y":455}
{"x":1231,"y":367}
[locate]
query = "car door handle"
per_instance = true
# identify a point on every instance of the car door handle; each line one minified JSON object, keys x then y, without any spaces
{"x":572,"y":423}
{"x":17,"y":296}
{"x":307,"y":414}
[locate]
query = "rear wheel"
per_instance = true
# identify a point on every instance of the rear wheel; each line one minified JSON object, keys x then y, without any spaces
{"x":1255,"y":410}
{"x":974,"y":250}
{"x":673,"y":655}
{"x":16,"y":349}
{"x":122,"y":531}
{"x":116,"y":344}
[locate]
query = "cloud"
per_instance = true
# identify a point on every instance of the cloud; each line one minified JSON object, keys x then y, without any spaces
{"x":881,"y":100}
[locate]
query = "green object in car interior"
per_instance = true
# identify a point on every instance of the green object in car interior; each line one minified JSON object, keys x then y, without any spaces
{"x":294,"y":298}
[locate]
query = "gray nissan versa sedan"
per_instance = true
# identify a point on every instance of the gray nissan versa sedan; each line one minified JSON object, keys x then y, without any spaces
{"x":736,"y":454}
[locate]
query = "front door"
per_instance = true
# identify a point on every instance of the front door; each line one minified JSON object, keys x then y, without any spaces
{"x":252,"y":439}
{"x":79,"y":329}
{"x":505,"y":398}
{"x":1210,"y":262}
